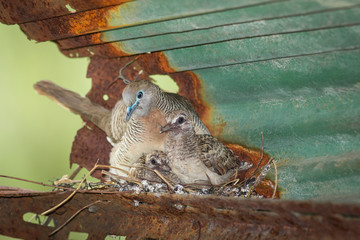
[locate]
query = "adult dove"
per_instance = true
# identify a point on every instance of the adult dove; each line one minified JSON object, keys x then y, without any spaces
{"x":133,"y":125}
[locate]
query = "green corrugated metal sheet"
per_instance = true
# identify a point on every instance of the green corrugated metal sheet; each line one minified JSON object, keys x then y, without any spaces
{"x":252,"y":23}
{"x":309,"y":110}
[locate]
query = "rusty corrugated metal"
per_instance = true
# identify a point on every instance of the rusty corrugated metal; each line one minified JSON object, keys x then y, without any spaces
{"x":173,"y":216}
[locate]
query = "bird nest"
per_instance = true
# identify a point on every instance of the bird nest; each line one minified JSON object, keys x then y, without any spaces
{"x":245,"y":183}
{"x":236,"y":187}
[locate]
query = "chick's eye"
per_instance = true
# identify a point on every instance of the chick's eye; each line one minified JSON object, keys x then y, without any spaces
{"x":180,"y":120}
{"x":153,"y":161}
{"x":140,"y":94}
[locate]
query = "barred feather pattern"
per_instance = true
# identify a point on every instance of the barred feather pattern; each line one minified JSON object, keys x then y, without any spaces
{"x":216,"y":155}
{"x":120,"y":153}
{"x":118,"y":124}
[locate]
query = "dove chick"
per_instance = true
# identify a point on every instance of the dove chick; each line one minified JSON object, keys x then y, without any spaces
{"x":197,"y":158}
{"x":156,"y":160}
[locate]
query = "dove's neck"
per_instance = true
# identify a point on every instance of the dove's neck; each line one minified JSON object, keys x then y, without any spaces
{"x":181,"y":144}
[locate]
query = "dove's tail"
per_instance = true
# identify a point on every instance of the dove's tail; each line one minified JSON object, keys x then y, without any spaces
{"x":77,"y":104}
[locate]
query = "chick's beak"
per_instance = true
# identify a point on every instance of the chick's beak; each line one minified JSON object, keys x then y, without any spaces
{"x":166,"y":128}
{"x":166,"y":168}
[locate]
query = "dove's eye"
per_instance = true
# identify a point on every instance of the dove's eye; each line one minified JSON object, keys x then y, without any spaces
{"x":153,"y":161}
{"x":180,"y":120}
{"x":139,"y":94}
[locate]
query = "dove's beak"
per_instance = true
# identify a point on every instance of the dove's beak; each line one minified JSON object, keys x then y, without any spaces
{"x":131,"y":109}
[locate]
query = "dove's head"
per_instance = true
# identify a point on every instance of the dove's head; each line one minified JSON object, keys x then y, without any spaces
{"x":157,"y":160}
{"x":178,"y":121}
{"x":139,"y":97}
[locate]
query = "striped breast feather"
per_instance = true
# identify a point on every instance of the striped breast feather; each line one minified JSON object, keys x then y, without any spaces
{"x":134,"y":132}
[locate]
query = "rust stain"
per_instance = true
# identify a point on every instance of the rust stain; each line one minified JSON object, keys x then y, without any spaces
{"x":155,"y":63}
{"x":80,"y":41}
{"x":18,"y":11}
{"x":69,"y":25}
{"x":90,"y":146}
{"x":266,"y":189}
{"x":249,"y":155}
{"x":218,"y":128}
{"x":108,"y":50}
{"x":190,"y":87}
{"x":85,"y":22}
{"x":253,"y":156}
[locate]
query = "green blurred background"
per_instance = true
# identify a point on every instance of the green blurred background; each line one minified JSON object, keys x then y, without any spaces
{"x":36,"y":133}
